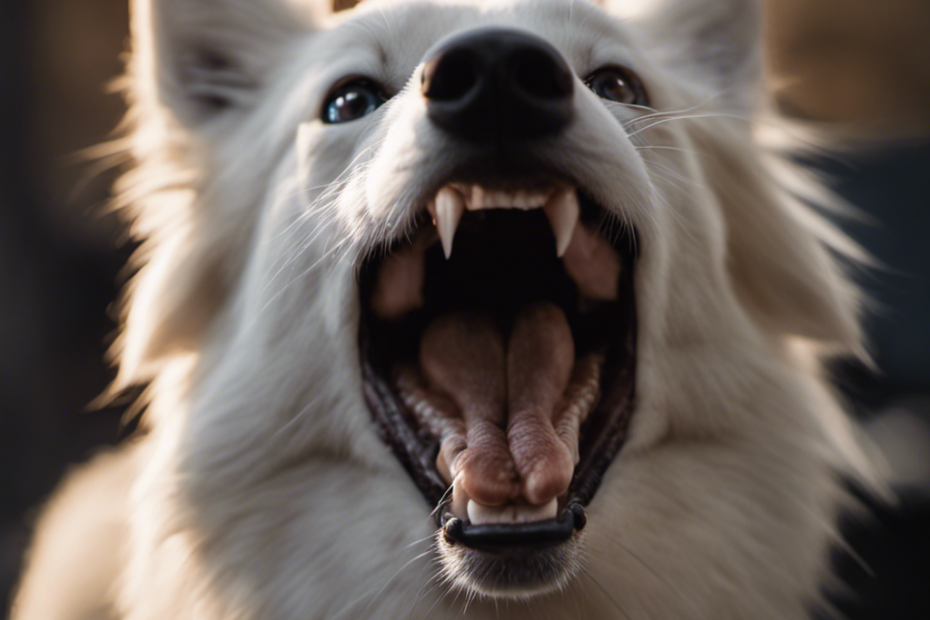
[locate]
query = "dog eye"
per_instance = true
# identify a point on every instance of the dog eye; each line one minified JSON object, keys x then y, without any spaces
{"x":352,"y":100}
{"x":620,"y":85}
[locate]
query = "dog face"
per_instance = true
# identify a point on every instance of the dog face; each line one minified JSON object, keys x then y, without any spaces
{"x":519,"y":259}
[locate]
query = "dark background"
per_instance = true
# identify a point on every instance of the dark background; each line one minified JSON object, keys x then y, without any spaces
{"x":861,"y":66}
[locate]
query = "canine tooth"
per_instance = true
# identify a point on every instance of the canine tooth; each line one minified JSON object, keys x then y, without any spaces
{"x":450,"y":205}
{"x":562,"y":210}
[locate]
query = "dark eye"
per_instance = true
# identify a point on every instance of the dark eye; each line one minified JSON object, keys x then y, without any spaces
{"x":352,"y":100}
{"x":620,"y":85}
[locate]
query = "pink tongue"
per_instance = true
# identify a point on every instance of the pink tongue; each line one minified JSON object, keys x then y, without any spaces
{"x":496,"y":405}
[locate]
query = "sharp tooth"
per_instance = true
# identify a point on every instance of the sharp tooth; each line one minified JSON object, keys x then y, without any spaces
{"x":449,"y":208}
{"x":562,"y":210}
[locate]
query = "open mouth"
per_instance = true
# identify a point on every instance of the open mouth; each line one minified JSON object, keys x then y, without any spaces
{"x":498,"y":345}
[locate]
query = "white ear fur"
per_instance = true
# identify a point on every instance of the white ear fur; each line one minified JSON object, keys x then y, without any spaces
{"x":192,"y":61}
{"x":717,"y":41}
{"x":200,"y":58}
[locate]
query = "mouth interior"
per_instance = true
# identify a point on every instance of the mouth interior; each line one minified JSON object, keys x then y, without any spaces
{"x":498,"y":347}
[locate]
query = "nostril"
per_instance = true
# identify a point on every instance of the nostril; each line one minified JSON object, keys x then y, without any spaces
{"x":537,"y":74}
{"x":494,"y":84}
{"x":451,"y":76}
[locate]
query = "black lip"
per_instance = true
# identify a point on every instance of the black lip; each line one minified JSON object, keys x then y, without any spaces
{"x":398,"y":430}
{"x":515,"y":537}
{"x":602,"y":435}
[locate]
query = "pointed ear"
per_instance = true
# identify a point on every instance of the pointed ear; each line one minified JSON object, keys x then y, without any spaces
{"x":715,"y":40}
{"x":203,"y":58}
{"x":192,"y":62}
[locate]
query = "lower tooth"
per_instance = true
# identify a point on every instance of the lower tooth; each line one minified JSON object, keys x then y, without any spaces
{"x":511,"y":513}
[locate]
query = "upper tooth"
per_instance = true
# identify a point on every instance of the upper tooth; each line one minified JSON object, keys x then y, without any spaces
{"x":526,"y":200}
{"x":562,"y":210}
{"x":450,"y":205}
{"x":478,"y":197}
{"x":561,"y":207}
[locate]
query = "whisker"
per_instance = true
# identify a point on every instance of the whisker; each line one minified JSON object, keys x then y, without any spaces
{"x":439,"y":598}
{"x":664,"y":113}
{"x":393,"y":577}
{"x":444,"y":496}
{"x":657,"y":147}
{"x":436,"y":582}
{"x":302,"y":274}
{"x":671,"y":173}
{"x":684,"y":118}
{"x":417,"y":542}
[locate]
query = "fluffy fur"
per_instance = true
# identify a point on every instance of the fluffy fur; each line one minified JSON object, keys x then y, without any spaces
{"x":260,"y":489}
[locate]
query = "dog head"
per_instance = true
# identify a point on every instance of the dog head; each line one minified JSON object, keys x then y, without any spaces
{"x":526,"y":252}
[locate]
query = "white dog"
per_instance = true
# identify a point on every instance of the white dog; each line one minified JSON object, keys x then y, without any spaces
{"x":481,"y":309}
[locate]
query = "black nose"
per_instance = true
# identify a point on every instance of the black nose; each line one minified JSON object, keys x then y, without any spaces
{"x":498,"y":84}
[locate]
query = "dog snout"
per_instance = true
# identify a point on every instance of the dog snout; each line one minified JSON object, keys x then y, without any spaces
{"x":498,"y":84}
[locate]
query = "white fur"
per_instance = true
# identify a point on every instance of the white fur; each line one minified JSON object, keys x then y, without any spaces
{"x":260,"y":489}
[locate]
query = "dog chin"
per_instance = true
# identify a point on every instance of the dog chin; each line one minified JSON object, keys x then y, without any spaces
{"x":515,"y":575}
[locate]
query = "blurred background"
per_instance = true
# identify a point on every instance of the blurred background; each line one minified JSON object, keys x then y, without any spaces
{"x":859,"y":67}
